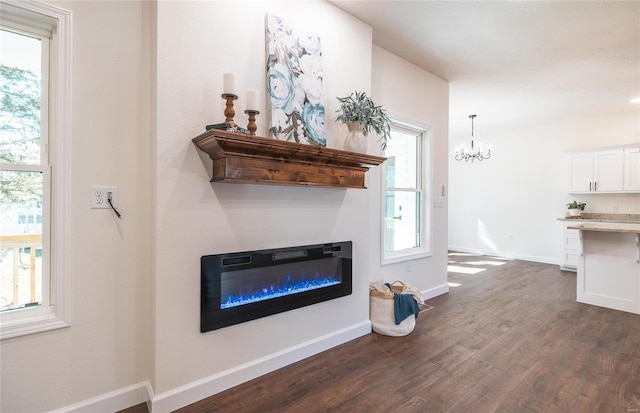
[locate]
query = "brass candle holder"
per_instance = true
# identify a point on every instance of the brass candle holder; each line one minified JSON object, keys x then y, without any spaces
{"x":229,"y":112}
{"x":252,"y":121}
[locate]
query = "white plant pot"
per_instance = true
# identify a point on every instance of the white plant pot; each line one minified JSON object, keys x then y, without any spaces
{"x":575,"y":212}
{"x":355,"y":140}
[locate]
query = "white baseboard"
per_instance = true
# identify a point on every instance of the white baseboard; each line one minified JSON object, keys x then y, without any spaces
{"x":113,"y":401}
{"x":533,"y":258}
{"x":201,"y":389}
{"x":208,"y":386}
{"x":435,"y":291}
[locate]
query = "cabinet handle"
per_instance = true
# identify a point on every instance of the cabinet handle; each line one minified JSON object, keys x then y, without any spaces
{"x":589,"y":186}
{"x":595,"y":186}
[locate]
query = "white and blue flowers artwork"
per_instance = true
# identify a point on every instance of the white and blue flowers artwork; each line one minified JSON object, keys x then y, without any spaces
{"x":294,"y":84}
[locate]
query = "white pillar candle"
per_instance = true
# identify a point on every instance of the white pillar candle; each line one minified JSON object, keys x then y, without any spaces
{"x":252,"y":99}
{"x":229,"y":84}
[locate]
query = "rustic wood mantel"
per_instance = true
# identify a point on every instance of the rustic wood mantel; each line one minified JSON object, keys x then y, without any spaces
{"x":242,"y":158}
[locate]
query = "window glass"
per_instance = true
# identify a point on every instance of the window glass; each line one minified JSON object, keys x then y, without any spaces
{"x":21,"y":177}
{"x":20,"y":92}
{"x":21,"y":247}
{"x":403,"y":146}
{"x":402,"y":220}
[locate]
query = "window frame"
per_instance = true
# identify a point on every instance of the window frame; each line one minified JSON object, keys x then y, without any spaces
{"x":424,"y":171}
{"x":55,"y":310}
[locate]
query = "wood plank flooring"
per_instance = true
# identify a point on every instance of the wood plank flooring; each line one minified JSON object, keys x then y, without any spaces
{"x":509,"y":337}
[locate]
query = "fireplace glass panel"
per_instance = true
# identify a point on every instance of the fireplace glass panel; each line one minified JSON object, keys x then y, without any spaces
{"x":259,"y":284}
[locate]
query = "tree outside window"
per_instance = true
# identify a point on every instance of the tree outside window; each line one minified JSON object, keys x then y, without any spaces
{"x":21,"y":176}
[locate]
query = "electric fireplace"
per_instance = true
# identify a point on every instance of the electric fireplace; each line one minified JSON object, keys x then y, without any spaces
{"x":243,"y":286}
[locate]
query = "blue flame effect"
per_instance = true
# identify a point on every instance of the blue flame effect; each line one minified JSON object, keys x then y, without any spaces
{"x":275,"y":291}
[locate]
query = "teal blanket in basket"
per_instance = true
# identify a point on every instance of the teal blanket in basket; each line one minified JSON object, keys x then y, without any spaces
{"x":403,"y":306}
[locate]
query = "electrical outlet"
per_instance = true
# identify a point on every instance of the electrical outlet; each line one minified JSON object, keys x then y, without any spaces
{"x":100,"y":195}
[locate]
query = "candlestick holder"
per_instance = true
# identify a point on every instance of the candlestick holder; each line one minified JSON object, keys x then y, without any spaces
{"x":229,"y":112}
{"x":252,"y":121}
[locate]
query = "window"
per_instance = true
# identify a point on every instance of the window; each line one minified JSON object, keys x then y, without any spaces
{"x":404,"y":213}
{"x":35,"y":126}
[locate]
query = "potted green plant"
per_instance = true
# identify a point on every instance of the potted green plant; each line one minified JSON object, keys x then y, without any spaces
{"x":576,"y":208}
{"x":362,"y":115}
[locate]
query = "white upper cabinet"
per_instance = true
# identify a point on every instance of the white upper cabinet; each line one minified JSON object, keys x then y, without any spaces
{"x":580,"y":172}
{"x":608,"y":171}
{"x":603,"y":171}
{"x":632,"y":169}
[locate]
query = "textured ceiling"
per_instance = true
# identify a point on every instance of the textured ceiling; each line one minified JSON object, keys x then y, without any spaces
{"x":516,"y":63}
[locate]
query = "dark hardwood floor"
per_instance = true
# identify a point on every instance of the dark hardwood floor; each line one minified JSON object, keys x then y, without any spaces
{"x":509,"y":337}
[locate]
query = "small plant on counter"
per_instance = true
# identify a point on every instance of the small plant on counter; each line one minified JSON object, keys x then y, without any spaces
{"x":577,"y":205}
{"x":576,"y":208}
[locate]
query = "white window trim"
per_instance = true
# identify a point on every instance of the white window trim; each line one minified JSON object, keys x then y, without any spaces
{"x":425,"y":175}
{"x":58,"y":313}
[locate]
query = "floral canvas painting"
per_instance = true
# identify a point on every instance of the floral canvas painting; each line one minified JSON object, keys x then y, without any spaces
{"x":294,"y":84}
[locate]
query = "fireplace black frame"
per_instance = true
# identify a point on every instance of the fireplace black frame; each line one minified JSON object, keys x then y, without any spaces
{"x":213,"y":317}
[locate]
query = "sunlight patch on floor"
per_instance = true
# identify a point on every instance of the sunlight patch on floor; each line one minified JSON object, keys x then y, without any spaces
{"x":454,"y":284}
{"x":464,"y":270}
{"x":495,"y":263}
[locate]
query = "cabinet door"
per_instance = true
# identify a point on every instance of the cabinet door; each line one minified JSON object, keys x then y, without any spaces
{"x":580,"y":172}
{"x":632,"y":169}
{"x":608,"y":171}
{"x":569,"y":253}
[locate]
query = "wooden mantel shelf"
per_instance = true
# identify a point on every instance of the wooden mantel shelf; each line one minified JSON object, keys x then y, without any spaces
{"x":251,"y":159}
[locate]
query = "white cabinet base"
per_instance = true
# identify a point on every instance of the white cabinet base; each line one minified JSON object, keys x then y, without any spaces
{"x":569,"y":253}
{"x":608,"y":270}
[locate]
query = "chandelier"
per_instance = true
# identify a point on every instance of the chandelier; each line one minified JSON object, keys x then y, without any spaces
{"x":473,"y":154}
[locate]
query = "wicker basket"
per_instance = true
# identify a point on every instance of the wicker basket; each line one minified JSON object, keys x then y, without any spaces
{"x":381,"y":313}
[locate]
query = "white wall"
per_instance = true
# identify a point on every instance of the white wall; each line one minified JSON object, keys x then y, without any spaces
{"x":194,"y":217}
{"x":105,"y":346}
{"x":509,"y":204}
{"x":410,"y":94}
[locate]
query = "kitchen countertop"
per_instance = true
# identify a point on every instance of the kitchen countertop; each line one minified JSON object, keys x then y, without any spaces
{"x":609,"y":218}
{"x":607,"y":227}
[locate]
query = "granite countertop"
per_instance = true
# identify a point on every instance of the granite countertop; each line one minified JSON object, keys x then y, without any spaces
{"x":609,"y":218}
{"x":607,"y":227}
